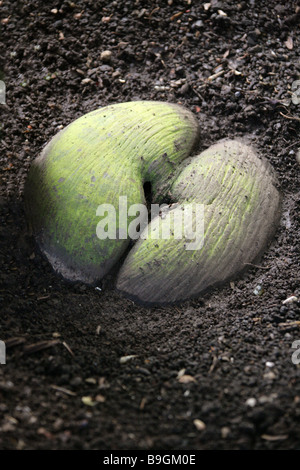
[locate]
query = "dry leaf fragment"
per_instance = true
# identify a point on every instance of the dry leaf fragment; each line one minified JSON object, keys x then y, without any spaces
{"x":45,"y":433}
{"x":289,"y":43}
{"x":102,"y":383}
{"x":125,"y":359}
{"x":84,"y":81}
{"x":180,"y":373}
{"x":5,"y":20}
{"x":186,"y":379}
{"x":88,"y":401}
{"x":77,"y":16}
{"x":91,"y":380}
{"x":100,"y":398}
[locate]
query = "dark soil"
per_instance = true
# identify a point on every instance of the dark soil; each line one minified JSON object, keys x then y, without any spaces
{"x":233,"y":344}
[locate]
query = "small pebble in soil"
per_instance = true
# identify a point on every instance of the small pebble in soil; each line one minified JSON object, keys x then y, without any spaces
{"x":251,"y":402}
{"x":106,"y":56}
{"x":270,"y":364}
{"x":200,"y":425}
{"x":258,"y":290}
{"x":269,"y":375}
{"x":225,"y":431}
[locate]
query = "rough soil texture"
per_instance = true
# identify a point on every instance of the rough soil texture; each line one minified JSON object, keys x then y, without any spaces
{"x":233,"y":64}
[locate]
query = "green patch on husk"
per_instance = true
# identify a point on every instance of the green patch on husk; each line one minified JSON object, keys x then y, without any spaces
{"x":101,"y":156}
{"x":240,"y":210}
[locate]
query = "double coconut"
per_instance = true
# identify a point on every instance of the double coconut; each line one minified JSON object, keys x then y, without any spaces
{"x":79,"y":190}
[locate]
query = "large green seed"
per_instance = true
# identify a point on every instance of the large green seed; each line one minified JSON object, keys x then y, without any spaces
{"x":241,"y":208}
{"x":101,"y":156}
{"x":111,"y":153}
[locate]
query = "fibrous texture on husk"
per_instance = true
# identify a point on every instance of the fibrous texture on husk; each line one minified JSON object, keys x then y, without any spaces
{"x":241,"y":206}
{"x":112,"y":152}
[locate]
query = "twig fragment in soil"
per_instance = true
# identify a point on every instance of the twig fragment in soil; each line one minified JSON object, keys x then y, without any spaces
{"x":268,"y":437}
{"x":16,"y":341}
{"x":63,"y":390}
{"x":152,"y":12}
{"x":257,"y":266}
{"x":43,"y":297}
{"x":290,"y":323}
{"x":292,"y":145}
{"x":143,"y":403}
{"x":215,"y":75}
{"x":68,"y":348}
{"x":290,"y":117}
{"x":40,"y":346}
{"x":176,"y":15}
{"x":98,"y":329}
{"x":198,"y":94}
{"x":213,"y":365}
